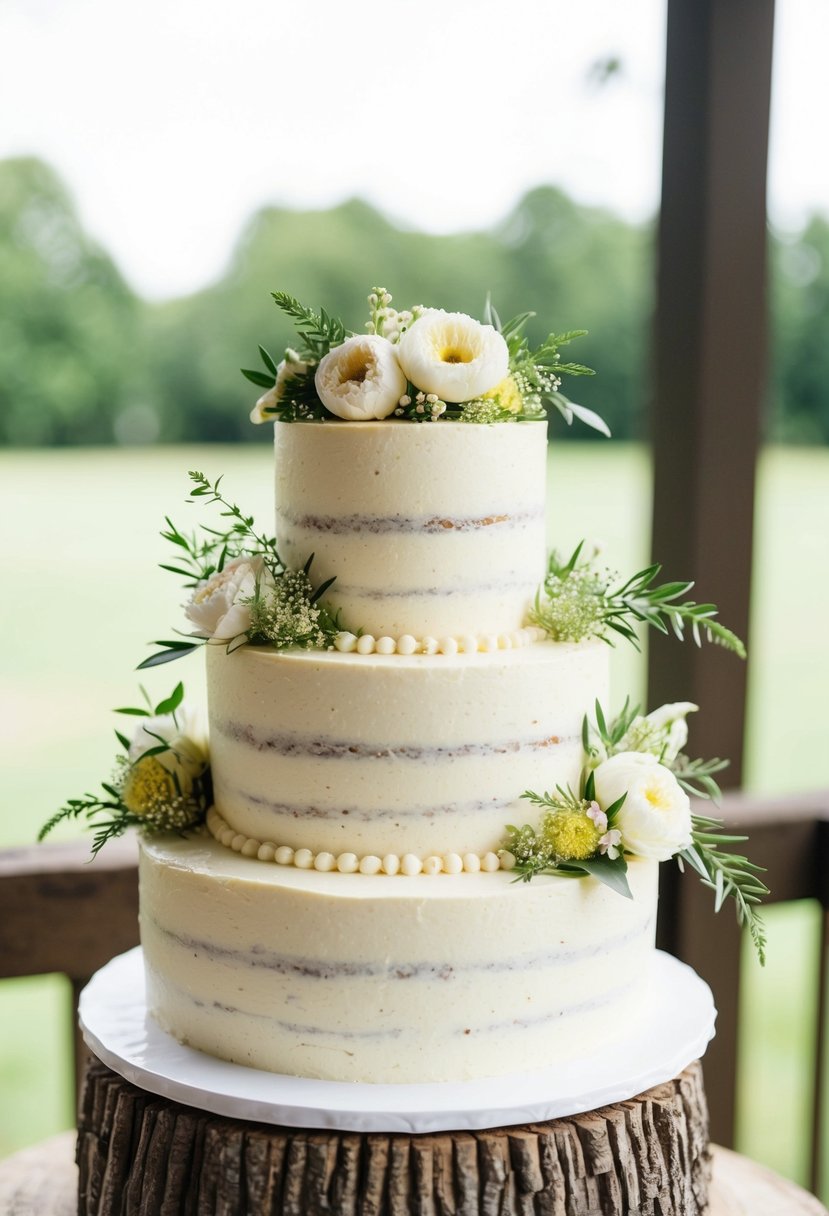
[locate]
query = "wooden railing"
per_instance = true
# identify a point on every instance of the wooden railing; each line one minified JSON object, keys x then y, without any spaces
{"x":61,"y":913}
{"x":790,"y":839}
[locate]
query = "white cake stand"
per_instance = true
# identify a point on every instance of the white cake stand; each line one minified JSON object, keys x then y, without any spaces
{"x":117,"y":1027}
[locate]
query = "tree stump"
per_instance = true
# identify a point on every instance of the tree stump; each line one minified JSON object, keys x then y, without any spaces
{"x":138,"y":1153}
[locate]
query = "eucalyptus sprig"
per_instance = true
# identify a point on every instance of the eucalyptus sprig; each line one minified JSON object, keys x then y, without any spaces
{"x":729,"y":875}
{"x":577,"y":602}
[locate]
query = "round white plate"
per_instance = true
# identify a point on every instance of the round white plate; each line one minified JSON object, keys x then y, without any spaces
{"x":117,"y":1027}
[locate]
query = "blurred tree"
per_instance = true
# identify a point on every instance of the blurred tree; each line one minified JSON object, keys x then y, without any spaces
{"x":70,"y":351}
{"x":800,"y":335}
{"x":83,"y":360}
{"x":577,"y":268}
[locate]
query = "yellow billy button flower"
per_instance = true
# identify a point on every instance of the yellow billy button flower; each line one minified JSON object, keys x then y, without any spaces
{"x":507,"y":395}
{"x":571,"y":834}
{"x":147,"y":786}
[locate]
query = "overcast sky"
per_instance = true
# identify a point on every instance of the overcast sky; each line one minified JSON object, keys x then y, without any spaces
{"x":171,"y":121}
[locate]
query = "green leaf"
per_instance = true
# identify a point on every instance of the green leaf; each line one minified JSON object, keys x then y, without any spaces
{"x":268,"y":361}
{"x":255,"y":377}
{"x":170,"y":704}
{"x":138,"y":713}
{"x":612,"y":873}
{"x":123,"y":740}
{"x":175,"y":650}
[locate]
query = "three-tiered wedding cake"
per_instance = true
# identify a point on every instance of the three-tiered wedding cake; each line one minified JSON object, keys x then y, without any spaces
{"x":352,"y":914}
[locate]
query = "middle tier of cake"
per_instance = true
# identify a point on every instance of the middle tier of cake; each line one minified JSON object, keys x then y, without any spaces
{"x":379,"y":754}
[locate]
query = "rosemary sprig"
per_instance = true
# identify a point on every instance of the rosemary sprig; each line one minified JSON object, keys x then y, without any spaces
{"x":577,"y":602}
{"x":653,"y":604}
{"x":728,"y":875}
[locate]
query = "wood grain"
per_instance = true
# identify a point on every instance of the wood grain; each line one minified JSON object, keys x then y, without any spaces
{"x":141,"y":1153}
{"x":43,"y":1181}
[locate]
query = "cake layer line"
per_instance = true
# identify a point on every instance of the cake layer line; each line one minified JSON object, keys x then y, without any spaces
{"x":343,"y":524}
{"x":280,"y":964}
{"x":324,"y":749}
{"x":401,"y":1032}
{"x":369,"y":815}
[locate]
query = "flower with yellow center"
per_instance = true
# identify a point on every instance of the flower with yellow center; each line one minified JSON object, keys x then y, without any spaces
{"x":452,"y":355}
{"x":571,"y":834}
{"x":655,"y":817}
{"x":507,"y":395}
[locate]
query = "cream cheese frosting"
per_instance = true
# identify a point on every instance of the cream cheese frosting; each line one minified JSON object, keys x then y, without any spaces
{"x":431,"y":529}
{"x":369,"y":979}
{"x":380,"y":754}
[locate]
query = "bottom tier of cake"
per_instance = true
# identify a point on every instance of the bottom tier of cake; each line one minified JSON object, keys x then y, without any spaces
{"x":138,"y":1152}
{"x":378,"y":978}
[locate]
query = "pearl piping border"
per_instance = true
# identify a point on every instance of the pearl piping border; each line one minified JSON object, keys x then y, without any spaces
{"x":409,"y":864}
{"x":366,"y":643}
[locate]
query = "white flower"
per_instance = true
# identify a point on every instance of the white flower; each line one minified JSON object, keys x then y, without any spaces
{"x":186,"y":757}
{"x":361,"y":379}
{"x":290,"y":367}
{"x":217,"y":606}
{"x":655,"y":818}
{"x":449,"y":354}
{"x":663,"y":732}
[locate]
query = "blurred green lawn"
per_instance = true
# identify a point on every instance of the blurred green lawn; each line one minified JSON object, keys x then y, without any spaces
{"x":83,"y":596}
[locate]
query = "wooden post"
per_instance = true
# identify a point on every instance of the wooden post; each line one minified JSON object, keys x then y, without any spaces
{"x":710,"y":342}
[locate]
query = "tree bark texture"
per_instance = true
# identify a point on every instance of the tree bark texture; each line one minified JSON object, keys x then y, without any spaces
{"x":139,"y":1153}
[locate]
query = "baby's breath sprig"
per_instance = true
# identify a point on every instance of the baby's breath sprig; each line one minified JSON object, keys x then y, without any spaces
{"x":289,"y":612}
{"x":386,"y":321}
{"x":577,"y":602}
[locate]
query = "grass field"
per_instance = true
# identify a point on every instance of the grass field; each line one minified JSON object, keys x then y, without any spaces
{"x":83,"y":596}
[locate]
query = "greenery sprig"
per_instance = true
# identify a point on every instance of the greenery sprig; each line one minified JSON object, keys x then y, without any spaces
{"x":574,"y":838}
{"x":662,"y":735}
{"x":285,"y":607}
{"x":729,"y":875}
{"x":577,"y":602}
{"x":538,"y":372}
{"x":164,"y":785}
{"x":318,"y":332}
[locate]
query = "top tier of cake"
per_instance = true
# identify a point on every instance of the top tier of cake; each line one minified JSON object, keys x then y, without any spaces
{"x":432,"y":529}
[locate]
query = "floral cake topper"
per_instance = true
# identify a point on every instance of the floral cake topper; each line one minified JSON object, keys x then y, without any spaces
{"x":420,"y":364}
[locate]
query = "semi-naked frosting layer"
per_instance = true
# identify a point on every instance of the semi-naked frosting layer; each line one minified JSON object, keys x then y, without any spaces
{"x":432,"y":529}
{"x":383,"y":754}
{"x":370,"y":979}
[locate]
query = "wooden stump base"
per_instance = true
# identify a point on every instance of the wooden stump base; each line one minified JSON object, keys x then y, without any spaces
{"x":138,"y":1153}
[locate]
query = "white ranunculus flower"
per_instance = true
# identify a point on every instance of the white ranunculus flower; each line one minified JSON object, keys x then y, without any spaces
{"x":663,"y":732}
{"x":361,"y":379}
{"x":187,"y":756}
{"x":655,"y":818}
{"x":217,"y":606}
{"x":290,"y":367}
{"x":450,"y":354}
